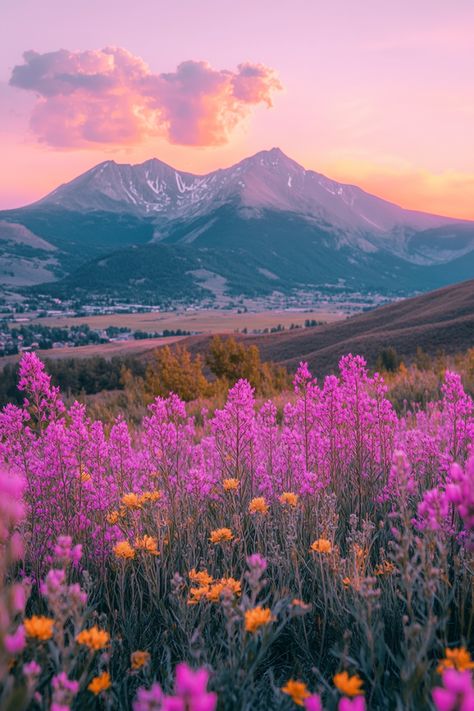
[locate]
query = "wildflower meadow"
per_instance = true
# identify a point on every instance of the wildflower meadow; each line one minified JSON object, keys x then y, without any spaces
{"x":317,"y":554}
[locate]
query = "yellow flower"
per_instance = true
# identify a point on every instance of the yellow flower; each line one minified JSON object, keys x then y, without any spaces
{"x":202,"y":577}
{"x":297,"y":690}
{"x":322,"y":545}
{"x":147,"y":544}
{"x":457,"y":658}
{"x":258,"y":505}
{"x":346,"y":582}
{"x":100,"y":683}
{"x":85,"y":476}
{"x":123,"y":549}
{"x":257,"y":617}
{"x":113,"y":517}
{"x":348,"y":685}
{"x":94,"y":638}
{"x":139,"y":659}
{"x":384,"y":568}
{"x":288,"y":498}
{"x":131,"y":501}
{"x":39,"y":627}
{"x":220,"y":535}
{"x":230,"y":484}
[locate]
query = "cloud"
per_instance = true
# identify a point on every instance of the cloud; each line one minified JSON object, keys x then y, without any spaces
{"x":110,"y":96}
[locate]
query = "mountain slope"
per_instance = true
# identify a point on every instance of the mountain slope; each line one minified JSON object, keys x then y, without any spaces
{"x":267,"y":180}
{"x":262,"y":225}
{"x":439,"y":320}
{"x":442,"y":319}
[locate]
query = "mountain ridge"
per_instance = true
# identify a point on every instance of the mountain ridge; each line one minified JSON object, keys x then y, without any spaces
{"x":264,"y":224}
{"x":157,"y":196}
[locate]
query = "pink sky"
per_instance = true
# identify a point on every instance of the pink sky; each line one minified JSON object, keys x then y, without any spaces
{"x":374,"y":93}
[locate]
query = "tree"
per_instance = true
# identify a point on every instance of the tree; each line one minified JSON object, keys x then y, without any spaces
{"x":388,"y":360}
{"x":230,"y":360}
{"x":176,"y":371}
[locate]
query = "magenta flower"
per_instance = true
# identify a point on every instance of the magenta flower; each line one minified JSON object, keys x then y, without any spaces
{"x":31,"y":669}
{"x":190,"y":693}
{"x":457,"y":692}
{"x":149,"y":699}
{"x":192,"y":687}
{"x":313,"y":703}
{"x":355,"y":704}
{"x":257,"y":561}
{"x":15,"y":643}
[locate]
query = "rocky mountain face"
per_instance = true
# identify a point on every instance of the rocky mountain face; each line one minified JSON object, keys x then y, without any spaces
{"x":268,"y":180}
{"x":263,"y":224}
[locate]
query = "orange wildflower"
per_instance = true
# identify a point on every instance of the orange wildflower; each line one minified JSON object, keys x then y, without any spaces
{"x":39,"y":627}
{"x":288,"y":498}
{"x":100,"y":683}
{"x":457,"y":658}
{"x":202,"y":577}
{"x":257,"y":617}
{"x":219,"y":535}
{"x":94,"y":638}
{"x":139,"y":659}
{"x":131,"y":501}
{"x":230,"y":484}
{"x":297,"y":690}
{"x":384,"y":568}
{"x":348,"y":685}
{"x":258,"y":505}
{"x":150,"y":496}
{"x":225,"y":585}
{"x":322,"y":545}
{"x":123,"y":549}
{"x":147,"y":544}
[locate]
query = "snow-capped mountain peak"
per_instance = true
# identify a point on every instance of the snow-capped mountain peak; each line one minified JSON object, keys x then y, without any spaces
{"x":267,"y":180}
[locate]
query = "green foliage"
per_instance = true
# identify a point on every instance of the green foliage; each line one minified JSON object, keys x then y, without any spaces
{"x":388,"y":360}
{"x":230,"y":360}
{"x":176,"y":371}
{"x":75,"y":376}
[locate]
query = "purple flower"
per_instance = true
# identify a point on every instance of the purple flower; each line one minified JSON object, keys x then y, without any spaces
{"x":15,"y":643}
{"x":457,"y":692}
{"x":257,"y":561}
{"x":149,"y":699}
{"x":31,"y":669}
{"x":313,"y":703}
{"x":190,"y":693}
{"x":355,"y":704}
{"x":192,"y":687}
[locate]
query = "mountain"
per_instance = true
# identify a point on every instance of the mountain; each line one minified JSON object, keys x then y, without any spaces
{"x":268,"y":180}
{"x":442,"y":320}
{"x":264,"y":224}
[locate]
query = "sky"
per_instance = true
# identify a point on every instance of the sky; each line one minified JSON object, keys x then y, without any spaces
{"x":375,"y":93}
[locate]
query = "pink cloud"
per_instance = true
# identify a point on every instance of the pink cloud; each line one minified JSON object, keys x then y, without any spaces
{"x":111,"y":96}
